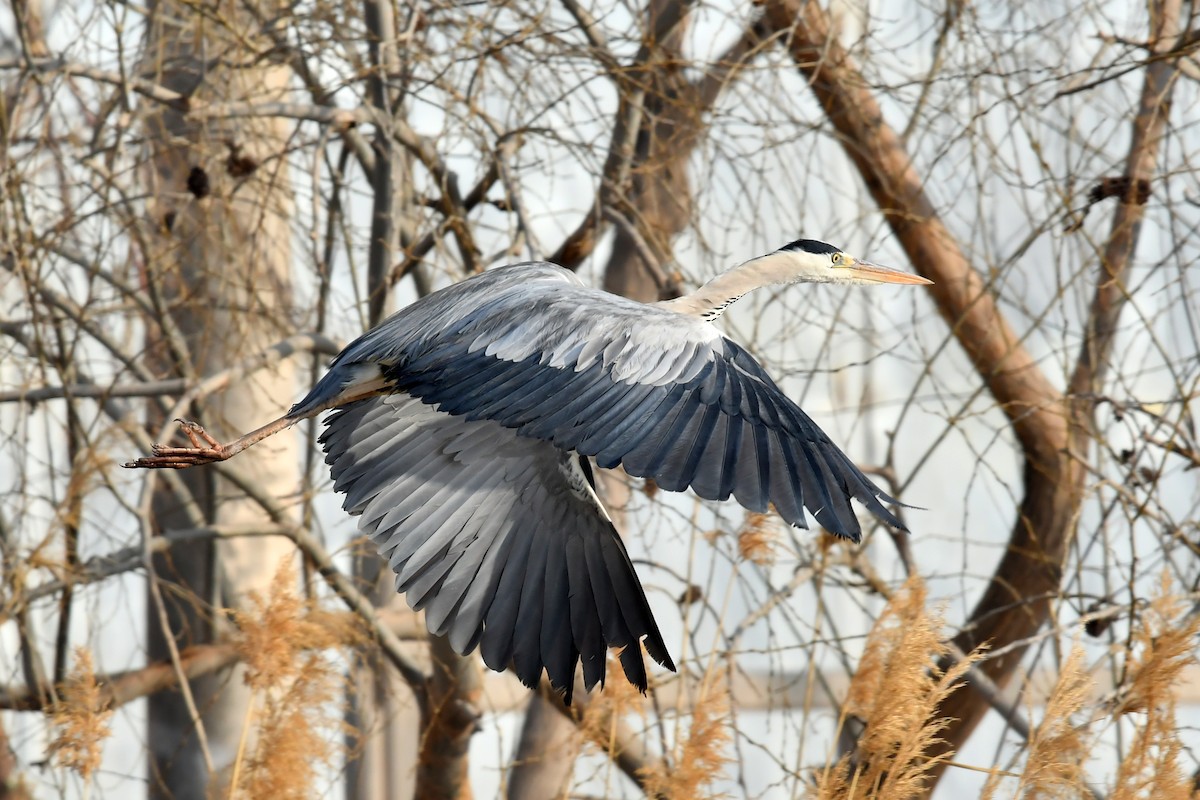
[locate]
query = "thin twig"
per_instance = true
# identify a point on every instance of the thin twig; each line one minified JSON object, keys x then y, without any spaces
{"x":185,"y":688}
{"x":342,"y":585}
{"x":60,"y":66}
{"x":340,"y":119}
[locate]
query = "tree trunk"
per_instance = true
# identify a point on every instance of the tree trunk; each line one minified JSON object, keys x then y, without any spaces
{"x":546,"y":753}
{"x":218,"y":262}
{"x":656,"y":209}
{"x":382,"y":708}
{"x":1053,"y":430}
{"x":12,"y":785}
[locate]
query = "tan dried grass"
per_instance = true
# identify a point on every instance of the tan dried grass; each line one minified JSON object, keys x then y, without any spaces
{"x":294,"y":735}
{"x":1163,"y":645}
{"x":604,"y":710}
{"x":758,"y":538}
{"x":80,"y":719}
{"x":296,"y":726}
{"x":274,"y":630}
{"x":700,"y":754}
{"x":1054,"y":763}
{"x":896,"y":691}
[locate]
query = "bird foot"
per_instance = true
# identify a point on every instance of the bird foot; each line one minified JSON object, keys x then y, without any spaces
{"x":204,"y":450}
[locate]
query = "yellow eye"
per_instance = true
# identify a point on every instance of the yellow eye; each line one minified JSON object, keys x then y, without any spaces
{"x":838,"y":258}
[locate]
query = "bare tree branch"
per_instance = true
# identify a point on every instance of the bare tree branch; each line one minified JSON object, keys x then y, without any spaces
{"x":120,"y":688}
{"x":214,"y":383}
{"x":626,"y":750}
{"x":123,"y":687}
{"x":148,"y":89}
{"x":339,"y":118}
{"x":417,"y":251}
{"x":343,"y":586}
{"x":1043,"y":420}
{"x":632,"y":86}
{"x":149,"y":271}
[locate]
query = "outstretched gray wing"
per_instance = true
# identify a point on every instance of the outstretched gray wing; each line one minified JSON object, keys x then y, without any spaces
{"x":660,"y":393}
{"x":496,"y":537}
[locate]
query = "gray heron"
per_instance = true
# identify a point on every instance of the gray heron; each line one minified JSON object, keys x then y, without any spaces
{"x":467,"y":424}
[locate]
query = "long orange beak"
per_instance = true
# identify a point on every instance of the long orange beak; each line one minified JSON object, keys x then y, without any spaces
{"x":881,"y":274}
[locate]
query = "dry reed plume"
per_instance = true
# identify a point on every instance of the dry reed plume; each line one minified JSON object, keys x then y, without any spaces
{"x":896,"y":692}
{"x":296,"y":730}
{"x":294,"y":737}
{"x":699,"y":756}
{"x":699,"y":753}
{"x":758,"y":538}
{"x":604,"y":710}
{"x":80,"y":719}
{"x":1161,"y":647}
{"x":1056,"y":752}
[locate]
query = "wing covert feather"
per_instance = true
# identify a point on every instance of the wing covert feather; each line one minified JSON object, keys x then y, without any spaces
{"x":533,"y":349}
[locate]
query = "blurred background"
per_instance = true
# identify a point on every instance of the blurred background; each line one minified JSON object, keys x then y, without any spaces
{"x":201,"y":202}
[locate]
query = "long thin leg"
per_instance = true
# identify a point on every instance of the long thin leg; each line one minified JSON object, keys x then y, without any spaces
{"x":205,"y":449}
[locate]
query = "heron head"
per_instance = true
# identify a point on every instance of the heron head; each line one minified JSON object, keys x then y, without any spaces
{"x":810,"y":261}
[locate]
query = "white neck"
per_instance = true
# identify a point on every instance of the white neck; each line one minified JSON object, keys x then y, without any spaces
{"x":710,"y":300}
